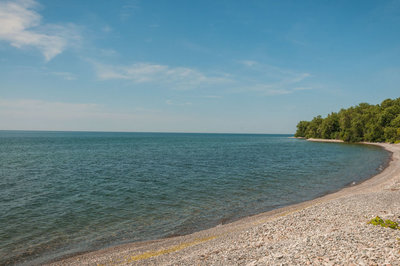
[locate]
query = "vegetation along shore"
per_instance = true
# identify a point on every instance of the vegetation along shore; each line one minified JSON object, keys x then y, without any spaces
{"x":364,"y":122}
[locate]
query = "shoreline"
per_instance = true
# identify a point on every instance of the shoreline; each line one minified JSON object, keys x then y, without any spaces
{"x":204,"y":246}
{"x":325,"y":140}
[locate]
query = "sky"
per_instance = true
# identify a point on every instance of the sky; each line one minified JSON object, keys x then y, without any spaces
{"x":216,"y":66}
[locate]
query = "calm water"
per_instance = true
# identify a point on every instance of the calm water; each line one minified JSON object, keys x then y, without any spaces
{"x":68,"y":192}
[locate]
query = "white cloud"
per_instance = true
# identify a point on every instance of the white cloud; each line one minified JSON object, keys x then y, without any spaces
{"x":173,"y":77}
{"x":21,"y":26}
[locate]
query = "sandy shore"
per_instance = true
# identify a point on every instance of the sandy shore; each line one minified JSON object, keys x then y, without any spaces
{"x":329,"y":230}
{"x":325,"y":140}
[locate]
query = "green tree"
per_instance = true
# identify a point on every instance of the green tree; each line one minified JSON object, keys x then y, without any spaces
{"x":330,"y":126}
{"x":392,"y":134}
{"x":314,"y":128}
{"x":302,"y":127}
{"x":364,"y":122}
{"x":396,"y":121}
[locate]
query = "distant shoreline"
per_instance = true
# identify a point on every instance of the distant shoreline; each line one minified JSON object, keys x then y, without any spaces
{"x":338,"y":209}
{"x":319,"y":140}
{"x":338,"y":141}
{"x":325,"y":140}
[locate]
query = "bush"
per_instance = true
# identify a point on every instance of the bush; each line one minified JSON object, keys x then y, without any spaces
{"x":387,"y":223}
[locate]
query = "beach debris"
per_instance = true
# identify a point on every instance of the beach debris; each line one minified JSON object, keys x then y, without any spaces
{"x":384,"y":223}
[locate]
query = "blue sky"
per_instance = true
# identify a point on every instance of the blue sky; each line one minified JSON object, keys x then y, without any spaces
{"x":192,"y":66}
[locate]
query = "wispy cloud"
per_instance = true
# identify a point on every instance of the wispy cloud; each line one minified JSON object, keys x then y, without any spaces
{"x":195,"y":47}
{"x":283,"y":91}
{"x":272,"y":80}
{"x":302,"y":88}
{"x":107,"y":52}
{"x":21,"y":26}
{"x":172,"y":77}
{"x":271,"y":71}
{"x":64,"y":75}
{"x":170,"y":102}
{"x":253,"y":76}
{"x":128,"y":8}
{"x":297,"y":35}
{"x":107,"y":29}
{"x":272,"y":90}
{"x":248,"y":63}
{"x":211,"y":96}
{"x":285,"y":86}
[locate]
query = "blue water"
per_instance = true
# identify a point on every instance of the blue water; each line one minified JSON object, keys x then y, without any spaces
{"x":67,"y":192}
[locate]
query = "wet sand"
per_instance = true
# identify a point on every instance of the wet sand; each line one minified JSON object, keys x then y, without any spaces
{"x":328,"y":230}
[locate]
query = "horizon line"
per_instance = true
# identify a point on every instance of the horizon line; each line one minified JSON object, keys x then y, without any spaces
{"x":161,"y":132}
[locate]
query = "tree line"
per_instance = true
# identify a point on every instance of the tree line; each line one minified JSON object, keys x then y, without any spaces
{"x":364,"y":122}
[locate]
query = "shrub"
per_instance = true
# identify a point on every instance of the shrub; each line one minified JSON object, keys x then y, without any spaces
{"x":387,"y":223}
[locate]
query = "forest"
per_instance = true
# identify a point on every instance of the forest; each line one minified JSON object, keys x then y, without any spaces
{"x":364,"y":122}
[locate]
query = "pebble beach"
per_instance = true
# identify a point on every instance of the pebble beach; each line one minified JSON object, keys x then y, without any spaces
{"x":330,"y":230}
